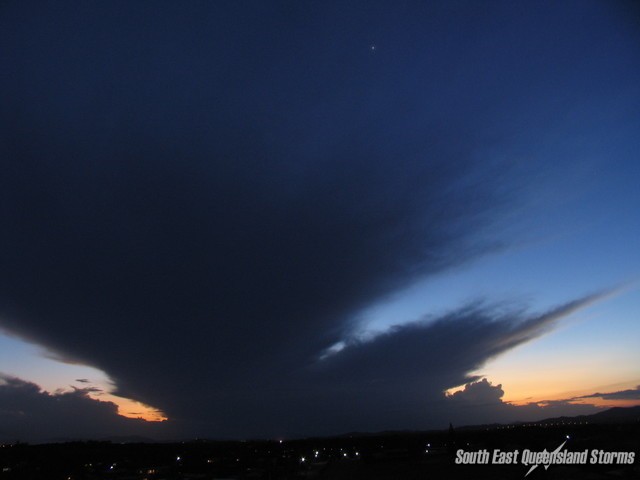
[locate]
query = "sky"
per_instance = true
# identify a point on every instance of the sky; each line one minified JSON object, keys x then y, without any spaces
{"x":283,"y":219}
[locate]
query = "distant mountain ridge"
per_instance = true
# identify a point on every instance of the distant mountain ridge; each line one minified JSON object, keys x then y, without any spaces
{"x":611,"y":415}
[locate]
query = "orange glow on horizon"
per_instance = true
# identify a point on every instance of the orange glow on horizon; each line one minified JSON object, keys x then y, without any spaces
{"x":132,"y":409}
{"x":595,"y":401}
{"x":567,"y":396}
{"x":607,"y":403}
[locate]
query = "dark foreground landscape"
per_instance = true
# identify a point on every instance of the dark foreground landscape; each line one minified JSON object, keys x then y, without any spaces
{"x":389,"y":455}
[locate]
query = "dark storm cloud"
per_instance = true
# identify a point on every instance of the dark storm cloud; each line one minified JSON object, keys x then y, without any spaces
{"x":459,"y":342}
{"x":407,"y":369}
{"x":28,"y":413}
{"x":394,"y":381}
{"x":198,"y":200}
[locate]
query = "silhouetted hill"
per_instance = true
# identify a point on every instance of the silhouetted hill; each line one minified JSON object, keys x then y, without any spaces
{"x":130,"y":439}
{"x":609,"y":416}
{"x":619,"y":414}
{"x":612,"y":415}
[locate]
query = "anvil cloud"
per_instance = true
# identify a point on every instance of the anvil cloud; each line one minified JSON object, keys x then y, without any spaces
{"x":200,"y":200}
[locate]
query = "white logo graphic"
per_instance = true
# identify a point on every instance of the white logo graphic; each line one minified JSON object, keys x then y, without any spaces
{"x":547,"y":465}
{"x":534,"y":459}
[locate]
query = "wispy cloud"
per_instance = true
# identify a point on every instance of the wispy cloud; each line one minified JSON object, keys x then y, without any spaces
{"x":630,"y":394}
